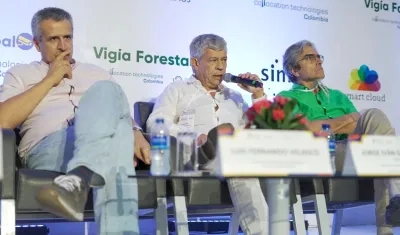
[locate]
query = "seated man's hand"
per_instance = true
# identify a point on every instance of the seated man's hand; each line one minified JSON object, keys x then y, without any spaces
{"x":142,"y":148}
{"x":355,"y":116}
{"x":257,"y":92}
{"x":346,"y":124}
{"x":202,"y":139}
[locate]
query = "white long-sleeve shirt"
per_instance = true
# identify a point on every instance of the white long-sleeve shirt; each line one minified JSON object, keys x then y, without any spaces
{"x":188,"y":106}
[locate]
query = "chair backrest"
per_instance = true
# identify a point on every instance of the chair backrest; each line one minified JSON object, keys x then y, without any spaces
{"x":18,"y":138}
{"x":142,"y":113}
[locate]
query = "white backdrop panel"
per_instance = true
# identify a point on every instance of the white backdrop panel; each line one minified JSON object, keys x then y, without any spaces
{"x":125,"y":37}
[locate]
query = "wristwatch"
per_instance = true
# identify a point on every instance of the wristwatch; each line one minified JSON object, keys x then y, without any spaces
{"x":137,"y":128}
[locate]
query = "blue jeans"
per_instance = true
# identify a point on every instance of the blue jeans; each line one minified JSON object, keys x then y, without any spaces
{"x":101,"y":140}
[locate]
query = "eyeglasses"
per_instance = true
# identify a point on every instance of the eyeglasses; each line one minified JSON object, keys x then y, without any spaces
{"x":71,"y":90}
{"x":312,"y":58}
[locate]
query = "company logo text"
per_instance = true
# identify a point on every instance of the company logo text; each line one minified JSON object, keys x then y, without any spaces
{"x":382,"y":6}
{"x":311,"y":13}
{"x":141,"y":57}
{"x":273,"y":74}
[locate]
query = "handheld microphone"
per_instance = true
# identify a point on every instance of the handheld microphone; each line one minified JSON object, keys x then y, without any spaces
{"x":244,"y":81}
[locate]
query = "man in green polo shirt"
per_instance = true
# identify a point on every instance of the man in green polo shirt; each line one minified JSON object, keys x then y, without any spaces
{"x":303,"y":65}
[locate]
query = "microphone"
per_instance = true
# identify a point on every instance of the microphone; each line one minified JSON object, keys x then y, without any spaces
{"x":244,"y":81}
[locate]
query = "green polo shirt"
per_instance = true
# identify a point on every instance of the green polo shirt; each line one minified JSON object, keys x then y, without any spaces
{"x":319,"y":106}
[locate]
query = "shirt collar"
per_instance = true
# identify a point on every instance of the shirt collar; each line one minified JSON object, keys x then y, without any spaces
{"x":193,"y":80}
{"x":300,"y":87}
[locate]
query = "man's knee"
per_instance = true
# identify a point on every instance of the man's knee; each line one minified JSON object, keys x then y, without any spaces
{"x":104,"y":97}
{"x":103,"y":91}
{"x":372,"y":112}
{"x":106,"y":87}
{"x":374,"y":121}
{"x":374,"y":115}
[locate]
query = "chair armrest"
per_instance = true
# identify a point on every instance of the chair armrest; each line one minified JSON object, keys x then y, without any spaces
{"x":9,"y":155}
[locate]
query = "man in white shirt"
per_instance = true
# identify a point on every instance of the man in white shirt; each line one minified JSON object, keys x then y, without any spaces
{"x":202,"y":103}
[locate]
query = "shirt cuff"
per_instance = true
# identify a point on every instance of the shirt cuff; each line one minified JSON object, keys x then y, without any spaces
{"x":259,"y":99}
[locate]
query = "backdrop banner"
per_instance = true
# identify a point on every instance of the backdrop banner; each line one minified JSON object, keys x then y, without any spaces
{"x":145,"y":43}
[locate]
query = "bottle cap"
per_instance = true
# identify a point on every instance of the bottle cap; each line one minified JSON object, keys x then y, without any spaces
{"x":160,"y":120}
{"x":326,"y":126}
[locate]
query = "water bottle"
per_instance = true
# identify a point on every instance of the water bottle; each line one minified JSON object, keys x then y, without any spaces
{"x":326,"y":130}
{"x":160,"y":149}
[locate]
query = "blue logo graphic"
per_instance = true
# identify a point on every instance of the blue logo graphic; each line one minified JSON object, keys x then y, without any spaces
{"x":24,"y":41}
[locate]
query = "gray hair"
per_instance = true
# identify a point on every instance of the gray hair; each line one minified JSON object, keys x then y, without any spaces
{"x":52,"y":13}
{"x":290,"y":61}
{"x":206,"y":41}
{"x":291,"y":56}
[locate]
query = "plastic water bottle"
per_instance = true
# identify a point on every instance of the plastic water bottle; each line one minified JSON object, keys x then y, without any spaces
{"x":326,"y":129}
{"x":160,"y":149}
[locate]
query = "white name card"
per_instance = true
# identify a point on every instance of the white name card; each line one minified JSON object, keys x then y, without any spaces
{"x":266,"y":153}
{"x":373,"y":156}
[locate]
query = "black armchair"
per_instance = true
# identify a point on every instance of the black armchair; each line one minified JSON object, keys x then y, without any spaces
{"x":335,"y":195}
{"x":21,"y":184}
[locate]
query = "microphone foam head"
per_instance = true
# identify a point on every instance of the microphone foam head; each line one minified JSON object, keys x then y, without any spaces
{"x":227,"y":77}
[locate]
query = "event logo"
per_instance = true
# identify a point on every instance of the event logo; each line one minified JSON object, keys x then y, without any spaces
{"x":141,"y":57}
{"x":382,"y":6}
{"x":364,"y":79}
{"x":24,"y":41}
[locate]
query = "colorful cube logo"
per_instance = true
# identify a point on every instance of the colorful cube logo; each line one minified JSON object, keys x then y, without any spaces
{"x":364,"y":79}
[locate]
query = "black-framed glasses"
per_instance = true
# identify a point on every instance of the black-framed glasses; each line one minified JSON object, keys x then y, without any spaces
{"x":312,"y":58}
{"x":71,"y":90}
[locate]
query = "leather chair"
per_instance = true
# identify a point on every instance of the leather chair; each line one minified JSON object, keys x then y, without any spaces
{"x":21,"y":184}
{"x":200,"y":196}
{"x":335,"y":195}
{"x":324,"y":196}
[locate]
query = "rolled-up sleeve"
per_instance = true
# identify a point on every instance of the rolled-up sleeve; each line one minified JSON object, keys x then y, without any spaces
{"x":12,"y":86}
{"x":259,"y":99}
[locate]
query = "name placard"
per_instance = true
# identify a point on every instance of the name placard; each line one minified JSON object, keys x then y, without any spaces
{"x":266,"y":153}
{"x":373,"y":156}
